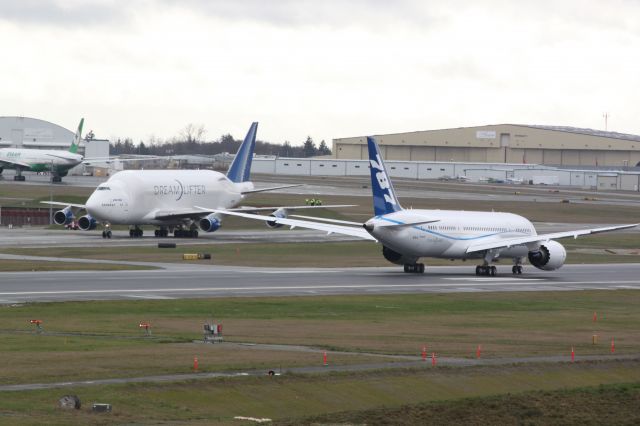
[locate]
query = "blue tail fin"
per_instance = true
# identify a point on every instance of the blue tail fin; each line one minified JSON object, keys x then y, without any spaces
{"x":240,"y":168}
{"x":384,"y":197}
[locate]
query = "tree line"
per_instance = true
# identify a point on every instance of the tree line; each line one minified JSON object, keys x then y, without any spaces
{"x":191,"y":141}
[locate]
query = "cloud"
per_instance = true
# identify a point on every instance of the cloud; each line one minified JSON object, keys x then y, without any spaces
{"x":69,"y":13}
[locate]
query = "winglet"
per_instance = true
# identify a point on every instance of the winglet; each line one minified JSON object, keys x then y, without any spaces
{"x":240,"y":168}
{"x":77,"y":138}
{"x":384,"y":197}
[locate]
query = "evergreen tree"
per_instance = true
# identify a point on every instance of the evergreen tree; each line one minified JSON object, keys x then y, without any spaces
{"x":309,"y":148}
{"x":323,"y":149}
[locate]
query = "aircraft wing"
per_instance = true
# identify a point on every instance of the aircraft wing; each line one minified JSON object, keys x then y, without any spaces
{"x":180,"y":214}
{"x":257,"y":209}
{"x":273,"y":188}
{"x":15,"y":163}
{"x":108,"y":160}
{"x":293,"y":223}
{"x":62,"y":204}
{"x":510,"y":242}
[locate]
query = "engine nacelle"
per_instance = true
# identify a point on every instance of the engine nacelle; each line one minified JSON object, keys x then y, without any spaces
{"x":210,"y":223}
{"x":397,"y":258}
{"x":63,"y":217}
{"x":550,"y":256}
{"x":87,"y":223}
{"x":281,"y":213}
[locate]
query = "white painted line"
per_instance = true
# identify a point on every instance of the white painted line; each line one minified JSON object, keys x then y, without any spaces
{"x":151,"y":296}
{"x":632,"y":287}
{"x":493,"y":279}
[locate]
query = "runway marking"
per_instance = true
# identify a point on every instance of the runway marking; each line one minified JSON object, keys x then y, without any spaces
{"x":516,"y":285}
{"x":632,"y":287}
{"x":151,"y":296}
{"x":492,"y":279}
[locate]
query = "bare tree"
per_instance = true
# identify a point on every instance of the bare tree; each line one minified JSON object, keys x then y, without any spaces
{"x":192,"y":133}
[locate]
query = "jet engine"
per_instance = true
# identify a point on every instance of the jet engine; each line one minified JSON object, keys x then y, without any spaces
{"x":281,"y":213}
{"x":550,"y":256}
{"x":210,"y":223}
{"x":63,"y":217}
{"x":87,"y":223}
{"x":397,"y":258}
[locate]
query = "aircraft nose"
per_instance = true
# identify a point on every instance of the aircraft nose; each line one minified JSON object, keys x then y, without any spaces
{"x":92,"y":203}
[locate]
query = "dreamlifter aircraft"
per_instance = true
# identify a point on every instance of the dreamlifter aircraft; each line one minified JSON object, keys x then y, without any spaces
{"x":407,"y":235}
{"x":168,"y":198}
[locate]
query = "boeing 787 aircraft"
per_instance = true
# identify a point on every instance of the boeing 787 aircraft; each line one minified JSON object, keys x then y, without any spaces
{"x":169,"y":199}
{"x":407,"y":235}
{"x":42,"y":160}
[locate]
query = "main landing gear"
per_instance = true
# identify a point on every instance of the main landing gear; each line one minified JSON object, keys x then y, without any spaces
{"x":106,"y":233}
{"x":486,"y":270}
{"x":136,"y":232}
{"x":185,"y":233}
{"x":162,"y":232}
{"x":517,"y":269}
{"x":414,"y":268}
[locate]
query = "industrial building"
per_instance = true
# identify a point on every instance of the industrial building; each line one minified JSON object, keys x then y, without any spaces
{"x":503,"y":143}
{"x":33,"y":133}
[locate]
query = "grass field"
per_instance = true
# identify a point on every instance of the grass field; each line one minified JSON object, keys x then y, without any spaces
{"x":90,"y":334}
{"x":92,"y":340}
{"x":500,"y":395}
{"x":40,"y":266}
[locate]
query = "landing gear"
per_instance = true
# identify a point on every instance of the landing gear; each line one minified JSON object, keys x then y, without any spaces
{"x":106,"y":233}
{"x":517,"y":269}
{"x":486,"y":270}
{"x":162,"y":232}
{"x":136,"y":232}
{"x":56,"y":179}
{"x":19,"y":178}
{"x":414,"y":268}
{"x":185,"y":233}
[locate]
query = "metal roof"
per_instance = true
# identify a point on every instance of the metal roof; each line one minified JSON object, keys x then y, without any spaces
{"x":588,"y":132}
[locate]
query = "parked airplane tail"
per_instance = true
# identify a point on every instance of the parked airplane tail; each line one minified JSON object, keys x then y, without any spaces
{"x":77,"y":138}
{"x":384,"y":197}
{"x":240,"y":168}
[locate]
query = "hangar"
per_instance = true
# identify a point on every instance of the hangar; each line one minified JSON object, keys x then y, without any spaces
{"x":503,"y":143}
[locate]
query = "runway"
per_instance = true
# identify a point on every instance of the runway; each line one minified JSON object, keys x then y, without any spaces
{"x":196,"y":281}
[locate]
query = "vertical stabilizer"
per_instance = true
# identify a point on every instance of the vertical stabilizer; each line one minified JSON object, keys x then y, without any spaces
{"x":240,"y":168}
{"x":384,"y":197}
{"x":77,"y":138}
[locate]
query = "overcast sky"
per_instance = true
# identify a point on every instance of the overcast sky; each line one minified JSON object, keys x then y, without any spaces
{"x":325,"y":68}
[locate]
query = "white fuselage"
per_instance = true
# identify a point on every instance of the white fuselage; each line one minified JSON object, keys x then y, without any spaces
{"x":39,"y":157}
{"x":452,"y":234}
{"x":139,"y":197}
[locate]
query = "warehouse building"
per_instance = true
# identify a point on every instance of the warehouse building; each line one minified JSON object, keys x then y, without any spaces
{"x":503,"y":143}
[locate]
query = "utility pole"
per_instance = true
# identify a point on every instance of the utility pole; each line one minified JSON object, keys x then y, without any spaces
{"x":606,"y":116}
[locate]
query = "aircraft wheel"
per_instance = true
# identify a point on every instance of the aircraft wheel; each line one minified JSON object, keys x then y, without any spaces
{"x":478,"y":270}
{"x":493,"y":271}
{"x":519,"y":269}
{"x":109,"y":234}
{"x":514,"y":269}
{"x":104,"y":234}
{"x":130,"y":233}
{"x":421,"y":268}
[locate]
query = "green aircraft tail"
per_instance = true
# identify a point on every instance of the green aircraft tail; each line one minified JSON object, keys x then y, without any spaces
{"x":77,"y":138}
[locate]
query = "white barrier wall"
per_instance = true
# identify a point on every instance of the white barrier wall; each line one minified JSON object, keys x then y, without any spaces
{"x":434,"y":170}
